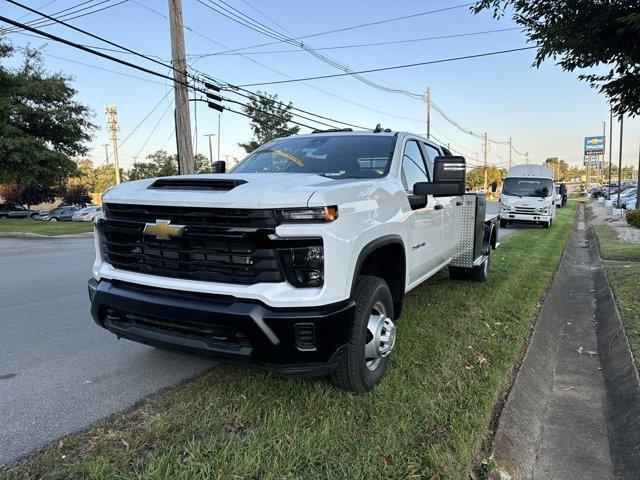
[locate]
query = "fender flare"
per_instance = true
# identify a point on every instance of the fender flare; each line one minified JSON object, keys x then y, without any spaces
{"x":372,"y":246}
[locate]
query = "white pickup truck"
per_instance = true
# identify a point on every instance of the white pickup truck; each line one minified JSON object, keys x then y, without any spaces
{"x":298,"y":260}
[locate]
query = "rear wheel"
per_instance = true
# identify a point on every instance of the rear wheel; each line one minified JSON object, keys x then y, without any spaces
{"x":53,"y":219}
{"x":372,"y":337}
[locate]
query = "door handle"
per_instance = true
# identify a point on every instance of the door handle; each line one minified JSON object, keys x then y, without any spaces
{"x":459,"y":202}
{"x":438,"y":206}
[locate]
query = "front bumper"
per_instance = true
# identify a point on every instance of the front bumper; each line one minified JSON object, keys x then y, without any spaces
{"x":525,"y":218}
{"x":300,"y":342}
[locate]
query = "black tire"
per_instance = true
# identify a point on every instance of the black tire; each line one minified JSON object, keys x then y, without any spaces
{"x":352,"y":372}
{"x":503,"y":224}
{"x":4,"y":216}
{"x":546,"y":224}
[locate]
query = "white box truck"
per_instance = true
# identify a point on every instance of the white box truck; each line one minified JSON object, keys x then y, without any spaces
{"x":528,"y":196}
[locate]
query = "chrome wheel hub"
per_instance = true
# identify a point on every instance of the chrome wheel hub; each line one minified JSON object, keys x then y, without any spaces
{"x":381,"y":336}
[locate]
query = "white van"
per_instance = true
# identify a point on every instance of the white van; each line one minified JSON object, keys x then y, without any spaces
{"x":528,"y":196}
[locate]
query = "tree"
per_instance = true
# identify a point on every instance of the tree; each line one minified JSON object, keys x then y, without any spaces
{"x":162,"y":164}
{"x":269,"y":119}
{"x":41,"y":123}
{"x":475,"y":177}
{"x":585,"y":35}
{"x":11,"y":193}
{"x":77,"y":195}
{"x":105,"y":177}
{"x":560,"y":168}
{"x":34,"y":194}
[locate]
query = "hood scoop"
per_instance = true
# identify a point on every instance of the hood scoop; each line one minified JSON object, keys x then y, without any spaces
{"x":196,"y":184}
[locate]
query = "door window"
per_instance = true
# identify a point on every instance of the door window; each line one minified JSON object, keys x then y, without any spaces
{"x":432,"y":152}
{"x":413,"y":166}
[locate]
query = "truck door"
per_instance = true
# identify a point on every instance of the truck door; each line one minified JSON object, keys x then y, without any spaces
{"x":425,"y":221}
{"x":451,"y":209}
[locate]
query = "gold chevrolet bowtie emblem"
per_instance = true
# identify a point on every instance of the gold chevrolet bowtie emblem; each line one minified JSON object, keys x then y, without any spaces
{"x":163,"y":230}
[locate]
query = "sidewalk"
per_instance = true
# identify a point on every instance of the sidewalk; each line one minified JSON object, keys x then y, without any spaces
{"x":562,"y":416}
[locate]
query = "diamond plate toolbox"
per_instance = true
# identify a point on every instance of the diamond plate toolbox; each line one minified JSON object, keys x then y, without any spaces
{"x":463,"y":256}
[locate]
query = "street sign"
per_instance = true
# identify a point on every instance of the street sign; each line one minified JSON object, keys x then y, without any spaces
{"x":594,"y":145}
{"x":593,"y":160}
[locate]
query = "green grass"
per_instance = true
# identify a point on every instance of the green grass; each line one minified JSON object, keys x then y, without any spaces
{"x":612,"y":248}
{"x":43,"y":228}
{"x":457,"y":346}
{"x":625,"y":283}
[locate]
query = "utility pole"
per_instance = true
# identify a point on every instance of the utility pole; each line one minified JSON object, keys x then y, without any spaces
{"x":610,"y":144}
{"x":106,"y":153}
{"x":510,"y":148}
{"x":218,"y":153}
{"x":183,"y":121}
{"x":526,"y":156}
{"x":620,"y":159}
{"x":427,"y":102}
{"x":114,"y":128}
{"x":638,"y":180}
{"x":604,"y":134}
{"x":485,"y":150}
{"x":210,"y":150}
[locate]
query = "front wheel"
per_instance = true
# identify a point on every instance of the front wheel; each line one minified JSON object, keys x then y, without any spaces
{"x":53,"y":219}
{"x":373,"y":337}
{"x":503,"y":224}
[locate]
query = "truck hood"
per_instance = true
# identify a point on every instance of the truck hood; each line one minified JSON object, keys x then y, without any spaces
{"x":259,"y":190}
{"x":529,"y":202}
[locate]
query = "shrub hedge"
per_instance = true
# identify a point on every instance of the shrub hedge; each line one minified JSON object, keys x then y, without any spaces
{"x":633,"y":218}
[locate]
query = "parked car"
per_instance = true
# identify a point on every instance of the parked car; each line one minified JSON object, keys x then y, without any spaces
{"x":86,"y":214}
{"x":298,"y":260}
{"x":15,"y":210}
{"x":58,"y":214}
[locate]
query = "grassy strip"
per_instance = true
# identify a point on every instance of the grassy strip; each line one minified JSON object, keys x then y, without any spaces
{"x":12,"y":225}
{"x":625,"y":283}
{"x":612,"y":248}
{"x":457,"y":344}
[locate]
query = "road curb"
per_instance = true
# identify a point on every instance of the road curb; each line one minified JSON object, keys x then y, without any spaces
{"x":620,"y":374}
{"x":39,"y":235}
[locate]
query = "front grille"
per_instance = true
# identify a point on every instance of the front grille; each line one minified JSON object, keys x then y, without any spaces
{"x":216,"y":335}
{"x":217,"y":245}
{"x":526,"y":210}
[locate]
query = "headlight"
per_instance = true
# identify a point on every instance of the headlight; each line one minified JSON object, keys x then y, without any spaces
{"x":303,"y":266}
{"x":505,"y":208}
{"x":315,"y":214}
{"x":97,"y":217}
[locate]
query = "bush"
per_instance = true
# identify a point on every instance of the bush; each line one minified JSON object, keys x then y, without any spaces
{"x":633,"y":218}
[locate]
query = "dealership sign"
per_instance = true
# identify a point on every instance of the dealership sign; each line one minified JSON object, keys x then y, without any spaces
{"x":594,"y":145}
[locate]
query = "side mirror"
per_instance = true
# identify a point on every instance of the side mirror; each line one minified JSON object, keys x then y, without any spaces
{"x":494,"y":186}
{"x":449,"y":174}
{"x":219,"y":167}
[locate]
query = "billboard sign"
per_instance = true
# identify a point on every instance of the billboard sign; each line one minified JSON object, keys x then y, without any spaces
{"x":594,"y":145}
{"x":593,"y":160}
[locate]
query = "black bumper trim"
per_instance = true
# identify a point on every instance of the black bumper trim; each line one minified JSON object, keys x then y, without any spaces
{"x":267,"y":336}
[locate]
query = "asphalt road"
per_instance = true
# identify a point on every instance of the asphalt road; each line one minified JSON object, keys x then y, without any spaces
{"x":60,"y":372}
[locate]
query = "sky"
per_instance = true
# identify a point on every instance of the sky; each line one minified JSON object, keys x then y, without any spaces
{"x":547,"y":112}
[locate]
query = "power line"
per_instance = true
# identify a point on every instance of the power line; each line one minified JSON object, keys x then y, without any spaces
{"x":353,"y":27}
{"x":394,"y":67}
{"x":360,"y":45}
{"x":42,"y":23}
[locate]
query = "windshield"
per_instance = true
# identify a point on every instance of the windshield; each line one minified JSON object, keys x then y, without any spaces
{"x":335,"y":156}
{"x":527,"y":187}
